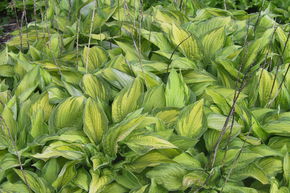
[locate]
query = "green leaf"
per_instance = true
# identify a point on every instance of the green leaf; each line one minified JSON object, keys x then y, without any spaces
{"x":53,"y":46}
{"x":218,"y":100}
{"x":128,"y":180}
{"x":141,"y":190}
{"x":4,"y":56}
{"x":6,"y":71}
{"x":28,"y":84}
{"x":213,"y":41}
{"x":120,"y":131}
{"x":258,"y":129}
{"x":150,"y":159}
{"x":67,"y":174}
{"x":56,"y":95}
{"x":94,"y":58}
{"x":282,"y":37}
{"x":127,"y":100}
{"x":36,"y":183}
{"x":199,"y":81}
{"x":229,"y":66}
{"x":283,"y":190}
{"x":69,"y":113}
{"x":195,"y":178}
{"x":151,"y":80}
{"x":101,"y":36}
{"x":38,"y":127}
{"x":203,"y":27}
{"x":71,"y":76}
{"x":34,"y":53}
{"x":228,"y":188}
{"x":217,"y":121}
{"x":256,"y":47}
{"x":132,"y":54}
{"x":82,"y":179}
{"x":73,"y":91}
{"x":176,"y":92}
{"x":95,"y":87}
{"x":117,"y":78}
{"x":183,"y":63}
{"x":99,"y":160}
{"x":50,"y":170}
{"x":188,"y":43}
{"x":102,"y":15}
{"x":168,"y":115}
{"x":188,"y":161}
{"x":286,"y":164}
{"x":265,"y":87}
{"x":253,"y":171}
{"x":154,"y":98}
{"x":271,"y":166}
{"x":154,"y":187}
{"x":158,"y":39}
{"x":42,"y":103}
{"x":60,"y":149}
{"x":114,"y":187}
{"x":278,"y":142}
{"x":183,"y":143}
{"x":279,"y":127}
{"x":169,"y":176}
{"x":95,"y":121}
{"x":191,"y":121}
{"x":8,"y":124}
{"x":14,"y":187}
{"x":99,"y":182}
{"x":8,"y":161}
{"x":142,"y":144}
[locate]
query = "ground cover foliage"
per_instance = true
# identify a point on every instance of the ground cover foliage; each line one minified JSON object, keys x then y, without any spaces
{"x":146,"y":97}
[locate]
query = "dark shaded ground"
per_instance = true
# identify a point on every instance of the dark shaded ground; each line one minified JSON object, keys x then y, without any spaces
{"x":7,"y":21}
{"x":5,"y":31}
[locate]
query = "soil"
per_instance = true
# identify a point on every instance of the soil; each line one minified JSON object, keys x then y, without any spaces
{"x":6,"y":29}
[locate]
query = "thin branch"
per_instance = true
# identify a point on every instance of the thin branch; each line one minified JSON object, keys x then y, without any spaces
{"x":276,"y":74}
{"x":35,"y":18}
{"x":175,"y":49}
{"x":235,"y":161}
{"x":90,"y":37}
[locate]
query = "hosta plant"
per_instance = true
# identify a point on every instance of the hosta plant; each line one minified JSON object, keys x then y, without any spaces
{"x":118,"y":96}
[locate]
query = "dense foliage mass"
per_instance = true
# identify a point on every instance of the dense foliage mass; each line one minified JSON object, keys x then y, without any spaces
{"x":124,"y":96}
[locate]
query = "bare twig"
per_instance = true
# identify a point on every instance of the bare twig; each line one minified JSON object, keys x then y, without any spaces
{"x":276,"y":74}
{"x":235,"y":161}
{"x":35,"y":18}
{"x":90,"y":37}
{"x":175,"y":49}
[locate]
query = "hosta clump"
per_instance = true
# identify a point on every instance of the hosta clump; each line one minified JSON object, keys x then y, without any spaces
{"x":104,"y":100}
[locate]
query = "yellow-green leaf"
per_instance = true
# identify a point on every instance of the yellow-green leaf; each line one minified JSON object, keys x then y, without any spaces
{"x":69,"y":113}
{"x":94,"y":58}
{"x":191,"y":122}
{"x":95,"y":121}
{"x":154,"y":98}
{"x":176,"y":92}
{"x":186,"y":42}
{"x":120,"y":131}
{"x":36,"y":183}
{"x":142,"y":144}
{"x":95,"y":87}
{"x":67,"y":173}
{"x":98,"y":182}
{"x":127,"y":101}
{"x":213,"y":41}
